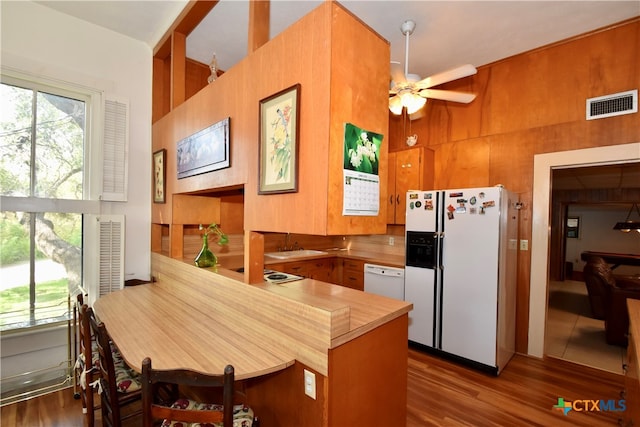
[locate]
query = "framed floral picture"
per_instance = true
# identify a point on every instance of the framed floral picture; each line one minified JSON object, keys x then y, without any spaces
{"x":278,"y":151}
{"x":159,"y":175}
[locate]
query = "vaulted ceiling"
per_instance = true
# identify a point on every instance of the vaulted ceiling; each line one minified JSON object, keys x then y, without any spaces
{"x":447,"y":34}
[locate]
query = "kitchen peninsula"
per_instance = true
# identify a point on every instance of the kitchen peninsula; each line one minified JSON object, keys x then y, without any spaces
{"x":355,"y":343}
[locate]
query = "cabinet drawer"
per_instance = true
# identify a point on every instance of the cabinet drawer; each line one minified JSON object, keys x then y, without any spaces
{"x":353,"y":274}
{"x":354,"y":281}
{"x":352,"y":264}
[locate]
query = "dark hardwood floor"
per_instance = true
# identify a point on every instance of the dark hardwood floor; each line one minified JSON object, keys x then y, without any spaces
{"x":440,"y":393}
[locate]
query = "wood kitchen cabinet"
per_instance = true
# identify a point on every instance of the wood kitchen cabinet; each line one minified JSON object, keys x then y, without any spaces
{"x":319,"y":269}
{"x":353,"y":274}
{"x":410,"y":169}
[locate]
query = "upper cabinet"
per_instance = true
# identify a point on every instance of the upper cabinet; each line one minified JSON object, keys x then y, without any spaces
{"x":410,"y":169}
{"x":342,"y":67}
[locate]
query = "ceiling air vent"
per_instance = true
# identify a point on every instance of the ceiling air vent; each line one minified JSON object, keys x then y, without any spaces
{"x":612,"y":105}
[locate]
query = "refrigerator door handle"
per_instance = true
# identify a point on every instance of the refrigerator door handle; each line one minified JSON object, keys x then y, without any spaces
{"x":440,"y":250}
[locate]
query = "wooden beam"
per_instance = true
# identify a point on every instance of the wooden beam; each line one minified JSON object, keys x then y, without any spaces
{"x":259,"y":16}
{"x":192,"y":14}
{"x":178,"y":68}
{"x":253,"y":257}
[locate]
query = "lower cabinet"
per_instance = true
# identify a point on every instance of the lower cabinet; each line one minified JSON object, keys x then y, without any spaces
{"x":353,"y":274}
{"x":341,"y":271}
{"x":323,"y":269}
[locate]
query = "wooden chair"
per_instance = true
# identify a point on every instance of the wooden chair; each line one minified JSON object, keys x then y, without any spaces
{"x":85,"y":363}
{"x":159,"y":406}
{"x":119,"y":386}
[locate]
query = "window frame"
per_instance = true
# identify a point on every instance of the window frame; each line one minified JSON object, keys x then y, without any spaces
{"x":92,"y":169}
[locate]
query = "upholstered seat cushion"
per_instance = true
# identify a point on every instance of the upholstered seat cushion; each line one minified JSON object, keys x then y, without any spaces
{"x":242,"y":414}
{"x":127,"y":379}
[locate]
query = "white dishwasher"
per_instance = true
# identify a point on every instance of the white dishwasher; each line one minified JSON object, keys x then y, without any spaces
{"x":385,"y":281}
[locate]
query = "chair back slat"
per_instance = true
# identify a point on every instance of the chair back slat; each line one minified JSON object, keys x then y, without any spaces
{"x":153,"y":379}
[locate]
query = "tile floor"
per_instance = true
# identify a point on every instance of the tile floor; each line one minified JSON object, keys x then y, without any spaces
{"x":573,"y":335}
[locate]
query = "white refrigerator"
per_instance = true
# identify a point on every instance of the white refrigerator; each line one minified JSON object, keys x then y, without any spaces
{"x":460,"y":273}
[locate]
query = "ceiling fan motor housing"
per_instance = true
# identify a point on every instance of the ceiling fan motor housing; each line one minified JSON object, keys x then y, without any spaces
{"x":407,"y":27}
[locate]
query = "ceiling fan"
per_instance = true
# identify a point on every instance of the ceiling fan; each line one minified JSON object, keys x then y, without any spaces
{"x":407,"y":90}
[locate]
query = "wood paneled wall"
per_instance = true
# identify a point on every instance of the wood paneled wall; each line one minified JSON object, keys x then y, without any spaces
{"x":529,"y":104}
{"x":318,"y":52}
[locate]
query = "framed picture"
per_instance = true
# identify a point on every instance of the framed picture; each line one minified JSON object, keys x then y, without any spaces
{"x":204,"y":151}
{"x":159,"y":175}
{"x":573,"y":227}
{"x":278,"y":151}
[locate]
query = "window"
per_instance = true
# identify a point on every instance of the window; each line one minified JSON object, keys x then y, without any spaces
{"x":46,"y":154}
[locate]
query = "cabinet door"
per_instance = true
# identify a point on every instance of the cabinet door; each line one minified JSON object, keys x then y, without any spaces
{"x":408,"y":177}
{"x":321,"y":269}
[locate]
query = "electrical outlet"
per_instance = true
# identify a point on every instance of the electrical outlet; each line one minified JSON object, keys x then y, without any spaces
{"x":524,"y":245}
{"x":310,"y":384}
{"x":392,"y":241}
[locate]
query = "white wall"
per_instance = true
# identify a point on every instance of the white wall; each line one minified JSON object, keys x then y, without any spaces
{"x":597,"y":234}
{"x":43,"y":42}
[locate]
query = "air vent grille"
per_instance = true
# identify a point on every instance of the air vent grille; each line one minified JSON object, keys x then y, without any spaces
{"x":612,"y":105}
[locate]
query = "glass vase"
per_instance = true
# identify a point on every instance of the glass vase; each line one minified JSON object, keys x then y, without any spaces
{"x":205,"y":258}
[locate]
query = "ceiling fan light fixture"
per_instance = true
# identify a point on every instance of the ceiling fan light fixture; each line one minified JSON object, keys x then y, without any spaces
{"x":414,"y":103}
{"x":406,"y":99}
{"x":395,"y":105}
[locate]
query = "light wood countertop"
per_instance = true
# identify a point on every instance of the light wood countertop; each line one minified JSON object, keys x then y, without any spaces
{"x":194,"y":318}
{"x":148,"y":321}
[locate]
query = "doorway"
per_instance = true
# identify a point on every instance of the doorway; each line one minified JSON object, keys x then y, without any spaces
{"x":543,"y":165}
{"x":582,"y":219}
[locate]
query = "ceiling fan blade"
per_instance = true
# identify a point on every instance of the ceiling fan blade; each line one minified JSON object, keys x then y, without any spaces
{"x":397,"y":74}
{"x":447,"y":95}
{"x":447,"y":76}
